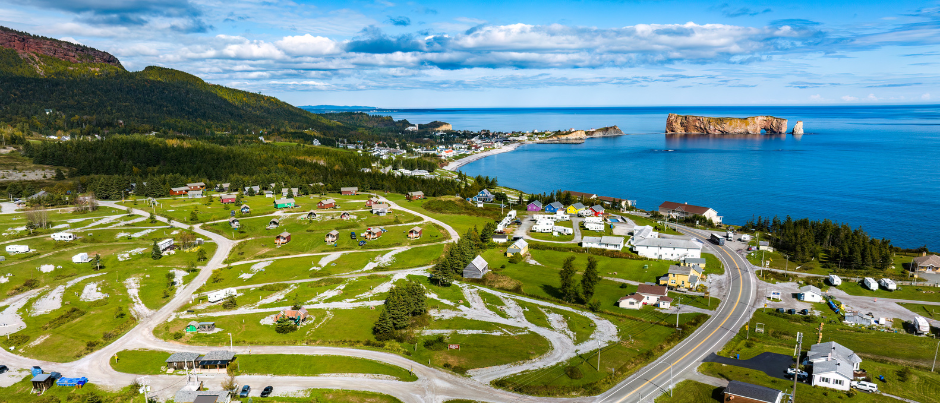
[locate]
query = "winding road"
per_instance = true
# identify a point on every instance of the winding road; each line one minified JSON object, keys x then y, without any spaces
{"x":433,"y":385}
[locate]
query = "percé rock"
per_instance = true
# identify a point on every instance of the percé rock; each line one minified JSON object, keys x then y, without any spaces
{"x":578,"y":136}
{"x":26,"y":44}
{"x":681,"y":124}
{"x":798,"y":127}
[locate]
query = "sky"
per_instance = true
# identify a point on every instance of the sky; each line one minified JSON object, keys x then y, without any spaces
{"x":437,"y":54}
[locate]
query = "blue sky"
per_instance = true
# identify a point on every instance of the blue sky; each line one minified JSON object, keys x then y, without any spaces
{"x":390,"y":53}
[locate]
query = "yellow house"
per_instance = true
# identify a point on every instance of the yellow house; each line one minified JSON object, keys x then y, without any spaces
{"x":692,"y":261}
{"x":575,"y":208}
{"x":520,"y":247}
{"x":681,"y":277}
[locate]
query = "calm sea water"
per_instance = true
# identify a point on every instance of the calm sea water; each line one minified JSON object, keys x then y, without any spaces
{"x":874,"y":167}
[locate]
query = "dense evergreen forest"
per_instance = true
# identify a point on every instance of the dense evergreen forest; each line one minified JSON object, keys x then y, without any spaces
{"x":108,"y":166}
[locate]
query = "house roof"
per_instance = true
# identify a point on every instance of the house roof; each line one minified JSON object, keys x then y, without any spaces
{"x":284,"y":234}
{"x":557,"y":205}
{"x":610,"y":240}
{"x":418,"y":193}
{"x":246,"y":206}
{"x":478,"y":263}
{"x":683,"y":270}
{"x":196,"y":184}
{"x":635,"y":297}
{"x":41,"y":377}
{"x":598,"y":208}
{"x":840,"y":367}
{"x":290,"y":313}
{"x":180,"y":189}
{"x":206,"y":399}
{"x":521,"y":244}
{"x":379,"y":206}
{"x":536,"y":203}
{"x":193,"y":323}
{"x":284,"y":201}
{"x":500,"y":236}
{"x":649,"y":289}
{"x":349,"y":189}
{"x":929,"y":260}
{"x":189,"y":396}
{"x":668,"y":243}
{"x":226,"y":196}
{"x":219,"y":355}
{"x":578,"y":206}
{"x":590,"y":239}
{"x":182,"y":357}
{"x":328,"y":201}
{"x":207,"y":323}
{"x":838,"y":351}
{"x":694,"y":260}
{"x":753,"y":392}
{"x":665,"y":299}
{"x":333,"y":232}
{"x":416,"y":229}
{"x":688,"y":208}
{"x":812,"y":289}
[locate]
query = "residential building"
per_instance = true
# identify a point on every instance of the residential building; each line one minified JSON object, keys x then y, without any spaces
{"x":328,"y":203}
{"x":667,"y":248}
{"x":682,"y":210}
{"x":381,"y":209}
{"x":554,"y":207}
{"x":696,"y":261}
{"x":202,"y":396}
{"x":332,"y":236}
{"x":282,"y":238}
{"x":534,"y":206}
{"x":477,"y":268}
{"x":373,"y":233}
{"x":597,"y":210}
{"x":179,"y":191}
{"x":575,"y":209}
{"x":484,"y":196}
{"x":371,"y":201}
{"x":284,"y":203}
{"x":644,"y":231}
{"x":227,"y":198}
{"x":741,"y":392}
{"x":681,"y":277}
{"x":926,"y":264}
{"x":183,"y":360}
{"x":646,"y":294}
{"x":245,"y":209}
{"x":520,"y":247}
{"x":196,"y":186}
{"x":834,"y":365}
{"x":415,"y":195}
{"x":298,"y":316}
{"x":603,"y":242}
{"x":500,"y":238}
{"x":349,"y":191}
{"x":415,"y":233}
{"x":217,"y":360}
{"x":194,"y":194}
{"x":810,"y":294}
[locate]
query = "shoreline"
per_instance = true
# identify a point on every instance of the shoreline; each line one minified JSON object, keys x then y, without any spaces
{"x":453,"y":166}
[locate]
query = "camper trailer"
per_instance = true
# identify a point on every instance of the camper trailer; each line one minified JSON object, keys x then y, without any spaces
{"x":745,"y":238}
{"x":14,"y":249}
{"x":920,"y":325}
{"x":888,"y":284}
{"x":870,"y":283}
{"x":63,"y":236}
{"x":81,"y":258}
{"x":221,"y":294}
{"x":562,"y":230}
{"x":834,"y":280}
{"x":165,"y":244}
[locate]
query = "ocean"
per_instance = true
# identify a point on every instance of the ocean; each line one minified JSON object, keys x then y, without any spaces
{"x":877,"y":167}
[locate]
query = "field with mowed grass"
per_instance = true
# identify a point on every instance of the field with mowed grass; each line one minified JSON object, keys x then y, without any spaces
{"x":288,"y":269}
{"x":297,"y":223}
{"x":480,"y":350}
{"x":180,"y":208}
{"x":908,"y":292}
{"x":455,"y":212}
{"x":692,"y":392}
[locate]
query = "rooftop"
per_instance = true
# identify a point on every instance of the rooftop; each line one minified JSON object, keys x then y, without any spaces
{"x":755,"y":392}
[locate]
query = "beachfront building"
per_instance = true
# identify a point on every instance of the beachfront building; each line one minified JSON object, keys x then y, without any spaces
{"x":682,"y":210}
{"x":926,"y":263}
{"x":667,"y":248}
{"x":484,"y":196}
{"x":575,"y":209}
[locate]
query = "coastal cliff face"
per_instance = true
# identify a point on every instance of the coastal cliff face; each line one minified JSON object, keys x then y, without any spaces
{"x":26,"y":44}
{"x":798,"y":127}
{"x":681,"y":124}
{"x":442,"y":126}
{"x":578,"y":136}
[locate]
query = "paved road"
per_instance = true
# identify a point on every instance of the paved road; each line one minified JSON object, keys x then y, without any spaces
{"x":683,"y":360}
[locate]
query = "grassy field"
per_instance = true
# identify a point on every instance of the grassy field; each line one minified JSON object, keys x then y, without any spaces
{"x":460,"y":222}
{"x":143,"y":362}
{"x":692,"y":392}
{"x":20,"y":392}
{"x":295,"y":268}
{"x":312,"y":365}
{"x":927,"y":311}
{"x":638,"y":220}
{"x":256,"y":227}
{"x":909,"y":292}
{"x":482,"y":350}
{"x":180,"y":208}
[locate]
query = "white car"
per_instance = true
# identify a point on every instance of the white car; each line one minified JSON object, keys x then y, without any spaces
{"x":865,"y":386}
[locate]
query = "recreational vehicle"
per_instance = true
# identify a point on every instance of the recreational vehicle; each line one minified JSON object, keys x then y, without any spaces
{"x":870,"y":283}
{"x":834,"y":280}
{"x":920,"y":325}
{"x":81,"y":258}
{"x":221,"y":294}
{"x":14,"y":249}
{"x":888,"y":284}
{"x":165,"y":244}
{"x":562,"y":230}
{"x":63,"y":236}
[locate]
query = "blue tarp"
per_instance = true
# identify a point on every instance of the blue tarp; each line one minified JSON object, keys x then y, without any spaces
{"x":72,"y":381}
{"x":36,"y":371}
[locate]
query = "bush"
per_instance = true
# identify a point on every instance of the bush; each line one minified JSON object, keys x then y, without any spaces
{"x":70,"y":315}
{"x":18,"y":339}
{"x":285,"y":326}
{"x":574,"y":372}
{"x":436,"y":344}
{"x":178,"y":335}
{"x":594,"y":305}
{"x":229,"y":303}
{"x":904,"y":374}
{"x":623,"y":285}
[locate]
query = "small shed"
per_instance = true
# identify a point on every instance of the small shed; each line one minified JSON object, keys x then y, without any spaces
{"x":415,"y":195}
{"x":311,"y":215}
{"x":282,"y":238}
{"x":373,"y":233}
{"x":245,"y":209}
{"x":42,"y":383}
{"x":477,"y":268}
{"x":192,"y":327}
{"x":227,"y":199}
{"x":500,"y":238}
{"x":332,"y":236}
{"x":284,"y":203}
{"x":415,"y":233}
{"x":273,"y":223}
{"x":182,"y":360}
{"x":219,"y":359}
{"x":206,"y":327}
{"x":328,"y":203}
{"x":738,"y":391}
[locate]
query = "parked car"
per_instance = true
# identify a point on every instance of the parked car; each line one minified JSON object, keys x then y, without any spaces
{"x":267,"y":391}
{"x":791,"y":311}
{"x":352,"y":235}
{"x":804,"y":312}
{"x":245,"y":391}
{"x":3,"y":369}
{"x":362,"y":243}
{"x":865,"y":386}
{"x":801,"y":375}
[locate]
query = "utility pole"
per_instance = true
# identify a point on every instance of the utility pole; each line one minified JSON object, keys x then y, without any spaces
{"x":598,"y":356}
{"x":935,"y":356}
{"x":796,"y":373}
{"x":678,"y":306}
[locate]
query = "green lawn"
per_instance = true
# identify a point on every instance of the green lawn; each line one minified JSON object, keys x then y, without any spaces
{"x":550,"y":237}
{"x":638,"y":220}
{"x":692,"y":392}
{"x":909,"y":292}
{"x":927,"y":311}
{"x":296,"y":268}
{"x":20,"y":392}
{"x":256,"y":227}
{"x":481,"y":350}
{"x":312,"y":365}
{"x":143,"y":362}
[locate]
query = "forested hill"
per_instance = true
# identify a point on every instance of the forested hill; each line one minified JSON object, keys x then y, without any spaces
{"x":90,"y":89}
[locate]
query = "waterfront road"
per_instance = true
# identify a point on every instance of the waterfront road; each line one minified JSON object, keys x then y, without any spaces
{"x":683,"y":360}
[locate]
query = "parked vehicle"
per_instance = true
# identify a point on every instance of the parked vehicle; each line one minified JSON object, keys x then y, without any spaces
{"x":267,"y":391}
{"x":888,"y":284}
{"x":362,"y":243}
{"x":870,"y":284}
{"x":245,"y":391}
{"x":3,"y":369}
{"x":920,"y":325}
{"x":834,"y":280}
{"x":352,"y":235}
{"x":804,"y":312}
{"x":217,"y":296}
{"x":791,"y":311}
{"x":781,"y":310}
{"x":865,"y":386}
{"x":717,"y":240}
{"x":801,"y":375}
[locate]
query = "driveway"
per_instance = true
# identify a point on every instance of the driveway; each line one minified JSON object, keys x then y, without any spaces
{"x":772,"y":364}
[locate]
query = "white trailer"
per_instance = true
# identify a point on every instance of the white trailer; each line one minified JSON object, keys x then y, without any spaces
{"x":14,"y":249}
{"x":562,"y":230}
{"x":81,"y":258}
{"x":593,"y":226}
{"x":745,"y":238}
{"x":560,"y":216}
{"x":217,"y":296}
{"x":543,"y":226}
{"x":888,"y":284}
{"x":870,"y":283}
{"x":834,"y":280}
{"x":593,"y":219}
{"x":165,"y":244}
{"x":920,"y":325}
{"x":63,"y":236}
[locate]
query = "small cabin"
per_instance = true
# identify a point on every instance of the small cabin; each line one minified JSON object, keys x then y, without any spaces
{"x":415,"y":233}
{"x":274,"y":223}
{"x":332,"y":236}
{"x":179,"y":191}
{"x":282,"y":238}
{"x":284,"y":203}
{"x":245,"y":209}
{"x":196,"y":186}
{"x":311,"y":215}
{"x":227,"y":199}
{"x":234,"y":223}
{"x":415,"y":195}
{"x":349,"y":191}
{"x":372,"y":201}
{"x":344,"y":216}
{"x":328,"y":203}
{"x":373,"y":233}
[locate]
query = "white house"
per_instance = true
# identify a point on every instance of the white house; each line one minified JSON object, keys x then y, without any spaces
{"x":562,"y":230}
{"x":870,"y":283}
{"x":14,"y":249}
{"x":675,"y":210}
{"x":834,"y":280}
{"x":594,"y":219}
{"x":810,"y":294}
{"x":593,"y":226}
{"x":667,"y":248}
{"x":888,"y":284}
{"x":603,"y":242}
{"x":646,"y":294}
{"x":644,"y":231}
{"x":63,"y":236}
{"x":833,"y":365}
{"x":543,"y":226}
{"x":81,"y":258}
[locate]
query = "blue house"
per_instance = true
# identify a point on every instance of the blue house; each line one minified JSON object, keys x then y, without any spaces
{"x":485,"y":196}
{"x":554,"y":207}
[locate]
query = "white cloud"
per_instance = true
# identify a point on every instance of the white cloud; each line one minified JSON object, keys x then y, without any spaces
{"x":872,"y":97}
{"x":70,"y":39}
{"x":308,"y":45}
{"x":849,"y":98}
{"x":925,"y":97}
{"x":816,"y":97}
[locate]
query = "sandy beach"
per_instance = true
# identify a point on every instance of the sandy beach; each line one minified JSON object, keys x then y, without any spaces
{"x":455,"y":165}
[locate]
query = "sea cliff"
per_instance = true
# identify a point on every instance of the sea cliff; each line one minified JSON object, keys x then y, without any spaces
{"x":578,"y":136}
{"x":688,"y":124}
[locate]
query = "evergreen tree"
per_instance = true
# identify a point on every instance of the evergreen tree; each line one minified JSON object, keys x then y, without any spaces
{"x":194,"y":215}
{"x":487,"y":235}
{"x":590,"y":279}
{"x":418,"y":299}
{"x":97,"y":261}
{"x":383,"y":327}
{"x":156,"y":253}
{"x":153,"y":218}
{"x":569,"y":288}
{"x":201,"y":255}
{"x":398,"y":309}
{"x":59,"y":176}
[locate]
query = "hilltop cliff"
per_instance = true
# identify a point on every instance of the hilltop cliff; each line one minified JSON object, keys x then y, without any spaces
{"x":682,"y":124}
{"x":578,"y":136}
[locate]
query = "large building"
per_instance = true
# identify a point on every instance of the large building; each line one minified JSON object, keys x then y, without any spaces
{"x":667,"y":248}
{"x":679,"y":210}
{"x":926,"y":263}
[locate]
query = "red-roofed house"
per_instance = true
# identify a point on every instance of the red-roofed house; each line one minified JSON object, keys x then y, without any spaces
{"x":646,"y":294}
{"x":674,"y":210}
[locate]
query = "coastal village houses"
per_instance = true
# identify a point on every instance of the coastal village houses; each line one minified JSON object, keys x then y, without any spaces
{"x":742,"y":392}
{"x":926,"y":263}
{"x":667,"y":248}
{"x":646,"y":294}
{"x":520,"y":247}
{"x":554,"y":207}
{"x":534,"y":206}
{"x":349,"y":191}
{"x":484,"y":196}
{"x":833,"y":364}
{"x":687,"y":277}
{"x":677,"y":210}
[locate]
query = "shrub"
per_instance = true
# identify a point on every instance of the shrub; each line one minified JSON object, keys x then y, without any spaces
{"x":70,"y":315}
{"x":623,"y":285}
{"x":229,"y":303}
{"x":574,"y":372}
{"x":904,"y":374}
{"x":178,"y":335}
{"x":285,"y":326}
{"x":436,"y":344}
{"x":594,"y":305}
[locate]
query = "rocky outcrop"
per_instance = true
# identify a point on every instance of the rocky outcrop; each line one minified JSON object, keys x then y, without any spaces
{"x":682,"y":124}
{"x":578,"y":136}
{"x":798,"y":127}
{"x":436,"y":125}
{"x":26,"y":44}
